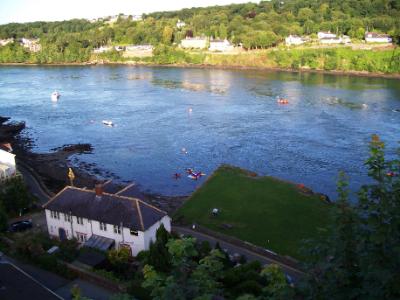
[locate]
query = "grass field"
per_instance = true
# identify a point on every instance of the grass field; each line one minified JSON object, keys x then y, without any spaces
{"x":262,"y":210}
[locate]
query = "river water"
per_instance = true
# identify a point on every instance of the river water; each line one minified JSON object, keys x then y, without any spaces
{"x":170,"y":119}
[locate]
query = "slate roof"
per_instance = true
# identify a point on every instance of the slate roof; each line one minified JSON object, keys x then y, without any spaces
{"x":109,"y":208}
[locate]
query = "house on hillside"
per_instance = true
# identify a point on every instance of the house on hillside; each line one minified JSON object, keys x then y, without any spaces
{"x":324,"y":35}
{"x":375,"y":37}
{"x":31,"y":44}
{"x":103,"y":220}
{"x":295,"y":40}
{"x":101,"y":49}
{"x":8,"y":167}
{"x":194,"y":43}
{"x":6,"y":41}
{"x":220,"y":46}
{"x":180,"y":24}
{"x":336,"y":40}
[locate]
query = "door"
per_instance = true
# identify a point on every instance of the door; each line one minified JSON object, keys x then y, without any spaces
{"x":62,"y":234}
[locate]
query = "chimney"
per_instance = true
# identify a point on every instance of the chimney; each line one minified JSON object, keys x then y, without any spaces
{"x":98,"y":188}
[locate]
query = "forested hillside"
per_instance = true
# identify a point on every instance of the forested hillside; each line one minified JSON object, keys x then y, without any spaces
{"x":259,"y":25}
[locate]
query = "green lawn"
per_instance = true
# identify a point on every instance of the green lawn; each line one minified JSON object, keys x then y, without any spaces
{"x":259,"y":209}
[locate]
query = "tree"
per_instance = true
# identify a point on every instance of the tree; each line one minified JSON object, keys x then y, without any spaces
{"x":360,"y":259}
{"x":119,"y":259}
{"x":159,"y":256}
{"x":167,"y":35}
{"x":277,"y":286}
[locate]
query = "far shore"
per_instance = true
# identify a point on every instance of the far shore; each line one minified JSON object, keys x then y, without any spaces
{"x":219,"y":67}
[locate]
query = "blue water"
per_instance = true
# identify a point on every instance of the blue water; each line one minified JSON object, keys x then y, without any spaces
{"x":218,"y":116}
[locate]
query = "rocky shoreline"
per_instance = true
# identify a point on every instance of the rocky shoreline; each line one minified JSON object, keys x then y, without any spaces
{"x":218,"y":67}
{"x":52,"y":168}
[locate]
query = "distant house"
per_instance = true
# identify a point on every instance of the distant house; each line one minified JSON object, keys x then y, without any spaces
{"x":325,"y":35}
{"x":220,"y":46}
{"x":374,"y":37}
{"x":137,"y":18}
{"x":180,"y":24}
{"x":102,"y":220}
{"x":295,"y":40}
{"x":6,"y":41}
{"x":8,"y":167}
{"x":194,"y":43}
{"x":336,"y":40}
{"x":139,"y":48}
{"x":101,"y":49}
{"x":31,"y":44}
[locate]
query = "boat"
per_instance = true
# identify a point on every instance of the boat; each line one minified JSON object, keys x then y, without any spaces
{"x":55,"y":96}
{"x":283,"y":101}
{"x":108,"y":123}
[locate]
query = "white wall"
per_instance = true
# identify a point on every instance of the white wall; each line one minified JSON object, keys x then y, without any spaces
{"x":8,"y":159}
{"x":150,"y":234}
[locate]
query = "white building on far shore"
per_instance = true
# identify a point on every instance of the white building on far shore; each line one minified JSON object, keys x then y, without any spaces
{"x":102,"y":49}
{"x":295,"y":40}
{"x":375,"y":37}
{"x":31,"y":44}
{"x":102,"y":220}
{"x":336,"y":40}
{"x":6,"y":41}
{"x":220,"y":46}
{"x":194,"y":43}
{"x":324,"y":35}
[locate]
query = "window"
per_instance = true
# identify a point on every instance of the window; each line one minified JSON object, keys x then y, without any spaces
{"x":55,"y":214}
{"x":103,"y":226}
{"x":67,"y":218}
{"x":134,"y":232}
{"x":117,"y":229}
{"x":79,"y":220}
{"x":81,"y":237}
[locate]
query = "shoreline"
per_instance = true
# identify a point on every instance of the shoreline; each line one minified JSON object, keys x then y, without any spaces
{"x":218,"y":67}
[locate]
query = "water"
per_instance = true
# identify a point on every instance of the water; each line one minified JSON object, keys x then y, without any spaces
{"x":216,"y":116}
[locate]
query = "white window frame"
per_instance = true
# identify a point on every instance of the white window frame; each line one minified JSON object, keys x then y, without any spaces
{"x":117,"y":229}
{"x":67,"y":218}
{"x":134,"y":232}
{"x":79,"y":220}
{"x":103,"y":226}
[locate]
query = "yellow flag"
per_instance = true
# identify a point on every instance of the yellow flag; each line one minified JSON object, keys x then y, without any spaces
{"x":71,"y":174}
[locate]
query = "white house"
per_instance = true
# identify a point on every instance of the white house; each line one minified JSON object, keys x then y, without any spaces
{"x":336,"y":40}
{"x":7,"y":162}
{"x":102,"y":49}
{"x":180,"y":24}
{"x":194,"y":43}
{"x":102,"y":220}
{"x":6,"y":41}
{"x":31,"y":44}
{"x":294,"y":40}
{"x":139,"y":48}
{"x":374,"y":37}
{"x":324,"y":35}
{"x":220,"y":45}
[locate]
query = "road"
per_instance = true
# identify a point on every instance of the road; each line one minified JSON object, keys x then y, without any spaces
{"x":33,"y":185}
{"x":295,"y":274}
{"x":59,"y":285}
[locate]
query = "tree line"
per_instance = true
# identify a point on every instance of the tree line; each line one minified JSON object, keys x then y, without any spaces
{"x":253,"y":25}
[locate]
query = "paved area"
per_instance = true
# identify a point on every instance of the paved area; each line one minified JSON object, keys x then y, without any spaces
{"x":33,"y":185}
{"x":87,"y":290}
{"x":232,"y":249}
{"x":60,"y":285}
